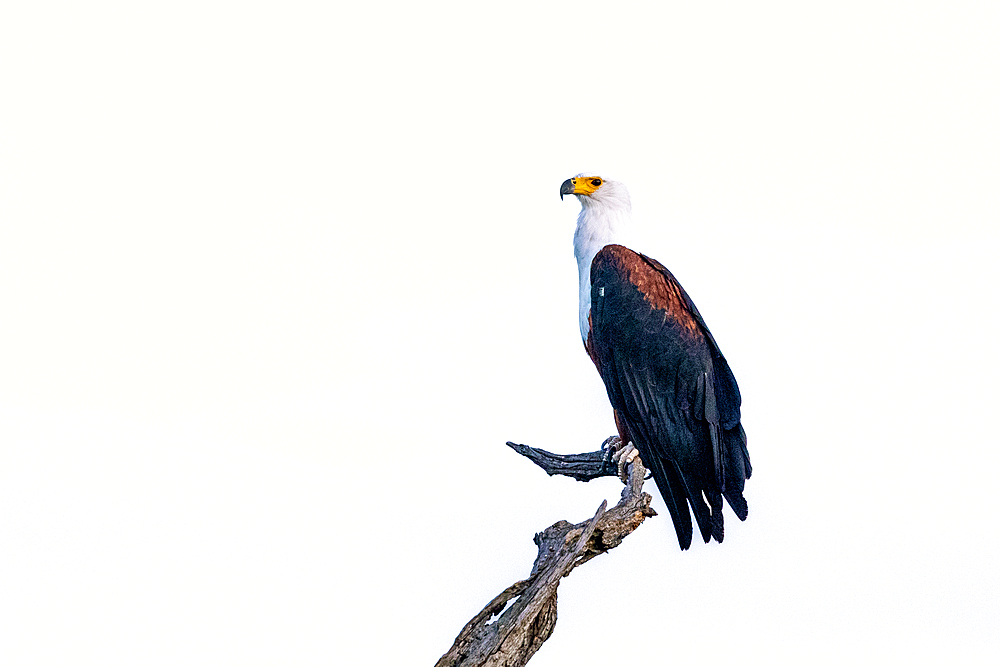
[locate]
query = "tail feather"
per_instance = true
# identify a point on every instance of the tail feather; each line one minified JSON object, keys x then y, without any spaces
{"x":718,"y":529}
{"x":683,"y":498}
{"x":738,"y":470}
{"x":707,"y":508}
{"x":676,"y":501}
{"x":701,"y":511}
{"x":738,"y":503}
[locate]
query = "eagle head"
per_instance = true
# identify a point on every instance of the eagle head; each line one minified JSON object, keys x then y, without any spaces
{"x":593,"y":189}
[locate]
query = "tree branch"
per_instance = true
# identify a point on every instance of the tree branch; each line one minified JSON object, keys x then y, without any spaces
{"x":513,"y":626}
{"x":582,"y":467}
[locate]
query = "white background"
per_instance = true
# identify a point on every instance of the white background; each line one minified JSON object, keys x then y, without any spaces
{"x":278,"y":280}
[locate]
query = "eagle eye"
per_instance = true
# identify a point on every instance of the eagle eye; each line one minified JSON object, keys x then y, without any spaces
{"x":596,"y":182}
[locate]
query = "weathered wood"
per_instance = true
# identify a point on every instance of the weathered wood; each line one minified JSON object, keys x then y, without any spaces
{"x":582,"y":467}
{"x":513,"y":626}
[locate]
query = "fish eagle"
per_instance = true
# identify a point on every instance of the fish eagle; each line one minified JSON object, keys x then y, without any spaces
{"x":674,"y":396}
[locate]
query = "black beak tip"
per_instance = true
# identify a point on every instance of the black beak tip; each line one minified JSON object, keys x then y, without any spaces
{"x":566,"y":188}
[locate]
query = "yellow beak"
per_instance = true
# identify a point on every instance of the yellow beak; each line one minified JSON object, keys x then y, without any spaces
{"x":579,"y":186}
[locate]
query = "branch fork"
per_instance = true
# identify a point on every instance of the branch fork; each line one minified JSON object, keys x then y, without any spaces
{"x":513,"y":626}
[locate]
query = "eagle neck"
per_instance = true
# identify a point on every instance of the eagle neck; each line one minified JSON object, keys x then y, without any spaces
{"x":600,"y":224}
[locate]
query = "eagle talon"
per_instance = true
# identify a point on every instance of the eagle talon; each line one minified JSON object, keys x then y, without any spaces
{"x":623,"y":457}
{"x":609,"y":447}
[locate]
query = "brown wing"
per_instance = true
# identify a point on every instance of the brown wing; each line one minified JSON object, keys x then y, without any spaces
{"x":670,"y":387}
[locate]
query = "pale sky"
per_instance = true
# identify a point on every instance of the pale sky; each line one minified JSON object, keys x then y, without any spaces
{"x":279,"y":280}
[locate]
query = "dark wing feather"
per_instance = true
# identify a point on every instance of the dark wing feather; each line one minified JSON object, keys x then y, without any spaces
{"x":669,"y":383}
{"x":736,"y":458}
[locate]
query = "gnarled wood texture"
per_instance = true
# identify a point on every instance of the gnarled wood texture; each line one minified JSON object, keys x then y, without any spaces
{"x":513,"y":626}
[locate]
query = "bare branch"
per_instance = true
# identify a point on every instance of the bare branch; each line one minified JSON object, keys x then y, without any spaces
{"x":583,"y":467}
{"x":513,"y":626}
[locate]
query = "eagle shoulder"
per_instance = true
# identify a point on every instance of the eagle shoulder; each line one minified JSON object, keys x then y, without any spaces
{"x":621,"y":270}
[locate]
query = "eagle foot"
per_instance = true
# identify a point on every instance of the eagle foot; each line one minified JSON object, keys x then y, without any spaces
{"x":623,"y":457}
{"x":609,"y":447}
